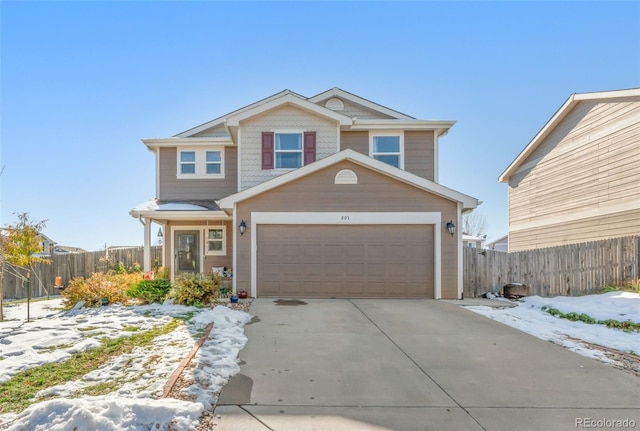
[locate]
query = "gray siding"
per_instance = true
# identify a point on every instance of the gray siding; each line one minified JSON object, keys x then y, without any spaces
{"x":172,"y":188}
{"x":356,"y":141}
{"x":418,"y":148}
{"x":419,"y":154}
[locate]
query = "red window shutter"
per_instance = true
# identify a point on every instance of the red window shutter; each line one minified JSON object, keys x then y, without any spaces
{"x":309,"y":147}
{"x":267,"y":150}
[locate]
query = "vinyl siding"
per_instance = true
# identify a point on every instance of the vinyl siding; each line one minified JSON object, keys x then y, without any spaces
{"x":418,"y":148}
{"x":588,"y":166}
{"x":285,"y":117}
{"x":356,"y":141}
{"x":374,"y":193}
{"x":172,"y":188}
{"x":218,"y":131}
{"x":419,"y":154}
{"x":354,"y":110}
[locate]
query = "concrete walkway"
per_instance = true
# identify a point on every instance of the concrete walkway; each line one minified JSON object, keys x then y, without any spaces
{"x":412,"y":365}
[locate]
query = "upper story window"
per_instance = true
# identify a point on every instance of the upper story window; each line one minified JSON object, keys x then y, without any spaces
{"x":288,"y":150}
{"x":200,"y":163}
{"x":187,"y":162}
{"x":214,"y":162}
{"x":388,"y":147}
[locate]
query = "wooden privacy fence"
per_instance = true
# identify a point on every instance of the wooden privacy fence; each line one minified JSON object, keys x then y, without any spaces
{"x":572,"y":269}
{"x":69,"y":266}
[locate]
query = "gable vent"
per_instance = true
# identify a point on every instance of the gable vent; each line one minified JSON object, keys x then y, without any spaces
{"x":346,"y":176}
{"x":334,"y":104}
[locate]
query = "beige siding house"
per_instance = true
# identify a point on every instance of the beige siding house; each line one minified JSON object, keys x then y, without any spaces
{"x":579,"y":178}
{"x":327,"y":196}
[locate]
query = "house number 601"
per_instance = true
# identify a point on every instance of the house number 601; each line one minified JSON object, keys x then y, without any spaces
{"x":344,"y":218}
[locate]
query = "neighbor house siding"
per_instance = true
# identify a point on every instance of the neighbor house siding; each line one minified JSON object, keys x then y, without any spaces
{"x":172,"y":188}
{"x":582,"y":183}
{"x":286,"y":117}
{"x":419,"y":154}
{"x":374,"y":193}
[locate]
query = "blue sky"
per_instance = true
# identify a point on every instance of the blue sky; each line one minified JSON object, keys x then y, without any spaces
{"x":83,"y":82}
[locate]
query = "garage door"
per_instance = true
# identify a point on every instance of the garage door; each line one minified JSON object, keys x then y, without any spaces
{"x":345,"y":260}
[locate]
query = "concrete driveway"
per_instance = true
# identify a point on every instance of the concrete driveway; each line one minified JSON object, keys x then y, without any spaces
{"x":378,"y":364}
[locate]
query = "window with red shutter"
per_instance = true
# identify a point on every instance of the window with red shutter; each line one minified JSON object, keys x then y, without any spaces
{"x":267,"y":150}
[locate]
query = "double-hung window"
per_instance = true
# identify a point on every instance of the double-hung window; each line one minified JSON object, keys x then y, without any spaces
{"x":187,"y":162}
{"x":200,"y":163}
{"x":216,"y":240}
{"x":288,"y":150}
{"x":214,"y":162}
{"x":388,"y":148}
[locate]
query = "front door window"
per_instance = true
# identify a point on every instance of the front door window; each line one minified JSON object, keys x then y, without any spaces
{"x":187,"y":255}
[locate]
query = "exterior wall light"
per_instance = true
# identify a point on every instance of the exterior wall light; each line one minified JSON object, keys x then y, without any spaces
{"x":160,"y":235}
{"x":451,"y":228}
{"x":243,"y":227}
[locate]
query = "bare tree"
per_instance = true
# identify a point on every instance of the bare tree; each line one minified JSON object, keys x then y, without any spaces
{"x":473,"y":224}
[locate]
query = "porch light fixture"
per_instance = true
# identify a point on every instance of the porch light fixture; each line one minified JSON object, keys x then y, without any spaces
{"x":160,"y":236}
{"x":243,"y":227}
{"x":451,"y":228}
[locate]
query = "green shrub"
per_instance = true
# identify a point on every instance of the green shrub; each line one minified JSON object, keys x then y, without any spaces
{"x":150,"y":290}
{"x":98,"y":286}
{"x":198,"y":290}
{"x":163,"y":272}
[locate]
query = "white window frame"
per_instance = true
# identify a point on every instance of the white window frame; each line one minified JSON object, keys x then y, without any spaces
{"x":201,"y":162}
{"x":223,"y":251}
{"x":275,"y":151}
{"x":394,"y":133}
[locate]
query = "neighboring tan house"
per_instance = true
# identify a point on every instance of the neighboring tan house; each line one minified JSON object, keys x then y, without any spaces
{"x":500,"y":244}
{"x":327,"y":196}
{"x":579,"y":178}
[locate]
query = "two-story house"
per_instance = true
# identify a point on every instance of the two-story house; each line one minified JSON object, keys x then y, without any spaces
{"x":327,"y":196}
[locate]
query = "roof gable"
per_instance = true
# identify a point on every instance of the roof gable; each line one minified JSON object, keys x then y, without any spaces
{"x":287,"y":99}
{"x":221,"y":120}
{"x":372,"y":106}
{"x":556,"y":119}
{"x":468,"y":202}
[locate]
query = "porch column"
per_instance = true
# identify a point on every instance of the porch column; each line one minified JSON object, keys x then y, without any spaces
{"x":146,"y":267}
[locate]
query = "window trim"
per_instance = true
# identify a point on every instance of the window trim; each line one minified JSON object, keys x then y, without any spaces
{"x":223,"y":251}
{"x":200,"y":162}
{"x":398,"y":133}
{"x":277,"y":132}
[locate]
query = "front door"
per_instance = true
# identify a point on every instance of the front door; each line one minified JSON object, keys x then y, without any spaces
{"x":186,"y":251}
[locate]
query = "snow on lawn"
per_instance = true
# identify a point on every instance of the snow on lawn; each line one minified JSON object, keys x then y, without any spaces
{"x":529,"y":317}
{"x":139,"y":376}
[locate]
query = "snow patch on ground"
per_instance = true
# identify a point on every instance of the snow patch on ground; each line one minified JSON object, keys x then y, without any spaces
{"x":140,"y":376}
{"x":529,"y":317}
